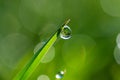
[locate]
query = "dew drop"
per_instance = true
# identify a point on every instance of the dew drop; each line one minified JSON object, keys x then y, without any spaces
{"x":65,"y":32}
{"x":60,"y":75}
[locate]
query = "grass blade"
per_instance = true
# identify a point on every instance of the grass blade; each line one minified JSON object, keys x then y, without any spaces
{"x":25,"y":73}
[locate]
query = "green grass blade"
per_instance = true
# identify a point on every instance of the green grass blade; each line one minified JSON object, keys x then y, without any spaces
{"x":25,"y":73}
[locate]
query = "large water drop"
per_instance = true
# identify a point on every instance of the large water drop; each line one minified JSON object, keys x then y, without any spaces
{"x":65,"y":32}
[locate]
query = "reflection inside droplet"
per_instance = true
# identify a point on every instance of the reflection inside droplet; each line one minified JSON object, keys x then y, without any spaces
{"x":65,"y":32}
{"x":60,"y":75}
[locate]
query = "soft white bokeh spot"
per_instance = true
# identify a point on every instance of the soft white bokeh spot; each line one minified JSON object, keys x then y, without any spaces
{"x":117,"y":54}
{"x":49,"y":56}
{"x":38,"y":46}
{"x":118,"y":40}
{"x":43,"y":77}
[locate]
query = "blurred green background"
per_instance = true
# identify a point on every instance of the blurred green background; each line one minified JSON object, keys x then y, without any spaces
{"x":92,"y":53}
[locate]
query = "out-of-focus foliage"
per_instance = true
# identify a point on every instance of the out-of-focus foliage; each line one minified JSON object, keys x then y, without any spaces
{"x":90,"y":54}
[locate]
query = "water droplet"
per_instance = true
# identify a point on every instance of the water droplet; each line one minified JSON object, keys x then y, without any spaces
{"x":60,"y":75}
{"x":65,"y":32}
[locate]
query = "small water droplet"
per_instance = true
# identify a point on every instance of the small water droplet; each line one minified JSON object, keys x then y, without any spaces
{"x":65,"y":32}
{"x":60,"y":75}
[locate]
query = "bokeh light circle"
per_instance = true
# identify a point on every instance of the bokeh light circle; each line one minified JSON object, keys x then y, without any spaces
{"x":111,"y":7}
{"x":34,"y":14}
{"x":118,"y":40}
{"x":9,"y":23}
{"x":117,"y":54}
{"x":49,"y":56}
{"x":75,"y":49}
{"x":12,"y":49}
{"x":43,"y":77}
